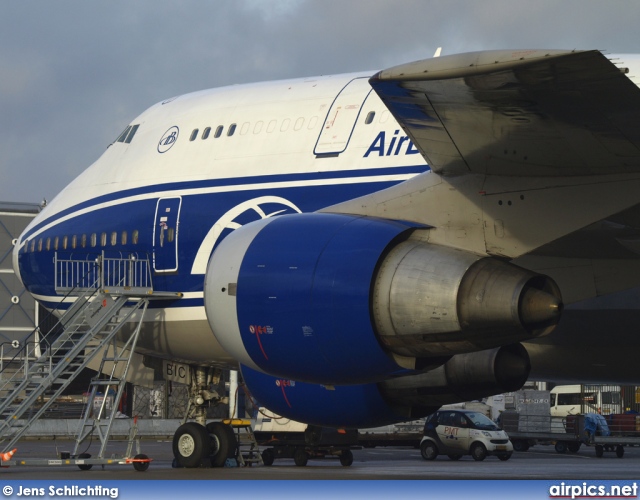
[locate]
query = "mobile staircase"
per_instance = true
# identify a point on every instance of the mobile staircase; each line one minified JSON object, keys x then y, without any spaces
{"x":108,"y":296}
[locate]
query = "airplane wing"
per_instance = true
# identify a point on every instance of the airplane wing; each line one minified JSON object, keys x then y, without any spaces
{"x":518,"y":113}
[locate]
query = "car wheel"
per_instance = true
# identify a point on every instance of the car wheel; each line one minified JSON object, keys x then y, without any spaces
{"x":599,"y":450}
{"x":429,"y":450}
{"x":454,"y":457}
{"x":478,"y":452}
{"x":619,"y":451}
{"x":504,"y":457}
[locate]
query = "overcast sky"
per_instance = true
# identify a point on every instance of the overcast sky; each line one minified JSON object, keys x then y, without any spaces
{"x":74,"y":73}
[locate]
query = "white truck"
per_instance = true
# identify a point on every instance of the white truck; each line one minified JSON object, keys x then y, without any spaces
{"x":574,"y":399}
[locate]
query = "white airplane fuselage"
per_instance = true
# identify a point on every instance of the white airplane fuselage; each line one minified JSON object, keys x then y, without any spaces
{"x":215,"y":160}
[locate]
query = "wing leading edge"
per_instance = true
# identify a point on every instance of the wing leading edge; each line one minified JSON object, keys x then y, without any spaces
{"x":522,"y":113}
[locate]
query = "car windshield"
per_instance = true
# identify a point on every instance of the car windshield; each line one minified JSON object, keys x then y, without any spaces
{"x":482,"y":422}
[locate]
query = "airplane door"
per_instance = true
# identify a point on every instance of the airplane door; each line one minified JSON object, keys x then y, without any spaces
{"x":341,"y":118}
{"x":165,"y":234}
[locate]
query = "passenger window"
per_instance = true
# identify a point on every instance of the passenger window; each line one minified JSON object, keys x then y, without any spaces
{"x":65,"y":242}
{"x":130,"y":135}
{"x":232,"y":130}
{"x":114,"y":238}
{"x":39,"y":244}
{"x":312,"y":122}
{"x":74,"y":241}
{"x":218,"y":132}
{"x":48,"y":244}
{"x":285,"y":125}
{"x":94,"y":239}
{"x":84,"y":241}
{"x":205,"y":134}
{"x":370,"y":117}
{"x":245,"y":128}
{"x":123,"y":238}
{"x":134,"y":237}
{"x":103,"y":240}
{"x":271,"y":127}
{"x":33,"y":245}
{"x":258,"y":128}
{"x":299,"y":123}
{"x":170,"y":234}
{"x":56,"y":242}
{"x":194,"y":134}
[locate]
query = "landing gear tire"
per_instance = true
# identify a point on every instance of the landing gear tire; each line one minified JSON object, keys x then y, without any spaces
{"x":300,"y":457}
{"x":223,"y":443}
{"x":141,"y":466}
{"x":478,"y":452}
{"x":191,"y":445}
{"x":346,"y":459}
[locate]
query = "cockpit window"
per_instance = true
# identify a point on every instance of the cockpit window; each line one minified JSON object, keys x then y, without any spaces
{"x":127,"y":135}
{"x":131,"y":133}
{"x":124,"y":134}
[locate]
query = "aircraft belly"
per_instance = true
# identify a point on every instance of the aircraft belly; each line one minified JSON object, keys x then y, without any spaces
{"x":170,"y":334}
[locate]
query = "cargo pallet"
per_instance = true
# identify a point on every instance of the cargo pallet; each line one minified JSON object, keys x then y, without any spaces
{"x":524,"y":432}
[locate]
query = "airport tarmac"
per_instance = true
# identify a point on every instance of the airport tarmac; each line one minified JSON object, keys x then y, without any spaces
{"x":540,"y":462}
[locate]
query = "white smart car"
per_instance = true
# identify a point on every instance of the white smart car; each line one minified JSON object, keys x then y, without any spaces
{"x":463,"y":432}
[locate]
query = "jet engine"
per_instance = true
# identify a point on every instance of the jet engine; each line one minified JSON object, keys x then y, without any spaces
{"x":462,"y":378}
{"x":338,"y":299}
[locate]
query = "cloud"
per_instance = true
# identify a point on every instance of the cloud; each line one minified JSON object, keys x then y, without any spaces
{"x":74,"y":73}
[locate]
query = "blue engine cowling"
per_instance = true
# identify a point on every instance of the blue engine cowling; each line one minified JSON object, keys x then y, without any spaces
{"x":290,"y":296}
{"x":353,"y":406}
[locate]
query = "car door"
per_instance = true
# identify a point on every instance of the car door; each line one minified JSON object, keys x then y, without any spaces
{"x":448,"y":433}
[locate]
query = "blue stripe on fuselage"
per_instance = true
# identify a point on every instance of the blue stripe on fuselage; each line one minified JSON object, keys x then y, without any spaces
{"x":199,"y":213}
{"x":229,"y":182}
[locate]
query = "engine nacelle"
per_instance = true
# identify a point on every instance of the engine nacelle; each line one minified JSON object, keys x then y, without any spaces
{"x":462,"y":378}
{"x":327,"y":298}
{"x":290,"y":296}
{"x":347,"y":406}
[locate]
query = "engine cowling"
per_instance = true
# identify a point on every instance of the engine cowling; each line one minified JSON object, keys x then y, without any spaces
{"x":462,"y":378}
{"x":327,"y":298}
{"x":465,"y":377}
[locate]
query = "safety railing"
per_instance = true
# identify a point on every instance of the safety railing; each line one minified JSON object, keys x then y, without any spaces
{"x":121,"y":274}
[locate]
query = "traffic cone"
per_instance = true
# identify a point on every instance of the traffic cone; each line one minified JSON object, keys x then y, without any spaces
{"x":5,"y":457}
